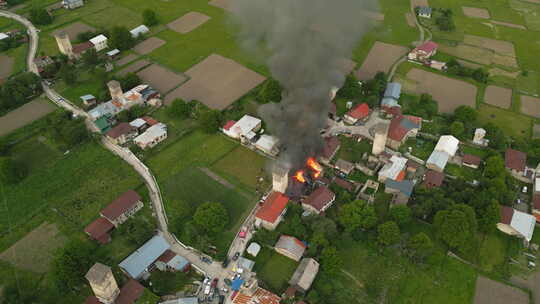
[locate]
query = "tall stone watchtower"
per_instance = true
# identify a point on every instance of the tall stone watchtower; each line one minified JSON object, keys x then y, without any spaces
{"x":379,"y":142}
{"x":115,"y":89}
{"x":103,"y":283}
{"x":64,"y":44}
{"x":280,"y":178}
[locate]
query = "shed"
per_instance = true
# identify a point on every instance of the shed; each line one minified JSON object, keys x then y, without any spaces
{"x":139,"y":30}
{"x":254,"y":249}
{"x":344,"y":166}
{"x":88,"y":99}
{"x":268,"y":144}
{"x":393,"y":90}
{"x":245,"y":264}
{"x":290,"y":247}
{"x":305,"y":274}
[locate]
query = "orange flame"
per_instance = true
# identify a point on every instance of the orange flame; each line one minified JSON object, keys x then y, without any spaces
{"x":300,"y":176}
{"x":315,"y":166}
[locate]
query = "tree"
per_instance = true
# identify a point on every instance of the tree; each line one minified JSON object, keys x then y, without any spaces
{"x":11,"y":171}
{"x":40,"y":16}
{"x":480,"y":75}
{"x":488,"y":216}
{"x":90,"y":57}
{"x":121,"y":38}
{"x":497,"y":139}
{"x":430,"y":106}
{"x":357,"y":214}
{"x":150,"y":17}
{"x":494,"y":167}
{"x":351,"y":89}
{"x":22,"y":291}
{"x":331,"y":263}
{"x":69,"y":74}
{"x":457,"y":129}
{"x":465,"y":114}
{"x":129,"y":81}
{"x":457,"y":226}
{"x":375,"y":86}
{"x":137,"y":230}
{"x":71,"y":263}
{"x":401,"y":214}
{"x":211,"y":217}
{"x":210,"y":121}
{"x":420,"y":246}
{"x":388,"y":233}
{"x":85,"y":36}
{"x":270,"y":91}
{"x":179,"y":109}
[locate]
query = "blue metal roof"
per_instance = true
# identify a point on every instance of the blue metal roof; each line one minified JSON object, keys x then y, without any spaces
{"x":393,"y":90}
{"x":88,"y":97}
{"x":405,"y":186}
{"x":178,"y":263}
{"x":137,"y":262}
{"x":408,"y":124}
{"x":389,"y":102}
{"x":237,"y":283}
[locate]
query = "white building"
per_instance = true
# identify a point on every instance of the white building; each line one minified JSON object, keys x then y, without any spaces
{"x":395,"y":169}
{"x":3,"y":36}
{"x":243,"y":128}
{"x":479,"y":139}
{"x":445,"y":149}
{"x":517,"y":223}
{"x":152,"y":136}
{"x":139,"y":30}
{"x":99,"y":42}
{"x":268,"y":144}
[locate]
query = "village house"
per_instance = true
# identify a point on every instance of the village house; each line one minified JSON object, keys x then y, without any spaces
{"x":424,"y":51}
{"x":515,"y":162}
{"x":424,"y":11}
{"x":152,"y":136}
{"x":344,"y":166}
{"x":394,"y":169}
{"x":268,"y":144}
{"x":139,"y":30}
{"x":170,"y":261}
{"x":331,"y":146}
{"x":358,"y":113}
{"x":479,"y":139}
{"x":121,"y":133}
{"x":99,"y":230}
{"x":319,"y":200}
{"x":402,"y":127}
{"x":122,"y":208}
{"x":536,"y":206}
{"x":243,"y":265}
{"x":141,"y":261}
{"x":433,"y":179}
{"x":345,"y":184}
{"x":290,"y":247}
{"x":41,"y":62}
{"x":517,"y":223}
{"x":471,"y":161}
{"x":272,"y":211}
{"x":251,"y":293}
{"x":305,"y":274}
{"x":391,"y":95}
{"x":244,"y":129}
{"x":72,"y":4}
{"x":113,"y":54}
{"x":89,"y":100}
{"x":139,"y":124}
{"x":402,"y":190}
{"x":99,"y":42}
{"x":445,"y":149}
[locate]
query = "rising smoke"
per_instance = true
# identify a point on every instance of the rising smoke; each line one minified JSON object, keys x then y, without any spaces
{"x":306,"y":44}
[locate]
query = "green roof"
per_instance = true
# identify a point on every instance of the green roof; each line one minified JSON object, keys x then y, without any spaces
{"x":103,"y":124}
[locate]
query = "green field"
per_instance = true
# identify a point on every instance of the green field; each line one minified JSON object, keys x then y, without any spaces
{"x":511,"y":123}
{"x":274,"y":269}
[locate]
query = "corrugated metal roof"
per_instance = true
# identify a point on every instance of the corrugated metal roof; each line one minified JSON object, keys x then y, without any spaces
{"x":405,"y":187}
{"x":523,"y":223}
{"x":393,"y":90}
{"x":137,"y":262}
{"x":448,"y":144}
{"x":438,"y":159}
{"x":393,"y":168}
{"x":305,"y":273}
{"x":192,"y":300}
{"x":291,"y":244}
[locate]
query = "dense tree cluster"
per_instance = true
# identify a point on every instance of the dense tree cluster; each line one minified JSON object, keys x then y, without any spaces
{"x":11,"y":42}
{"x":179,"y":109}
{"x":19,"y":90}
{"x":67,"y":129}
{"x":40,"y":16}
{"x":456,"y":68}
{"x":423,"y":106}
{"x":150,"y":17}
{"x":121,"y":38}
{"x":445,"y":20}
{"x":270,"y":91}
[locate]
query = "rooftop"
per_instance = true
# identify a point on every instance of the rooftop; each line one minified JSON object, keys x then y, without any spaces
{"x":81,"y":47}
{"x":98,"y":39}
{"x":359,"y":111}
{"x":405,"y":187}
{"x":291,"y":244}
{"x":393,"y":90}
{"x":448,"y":144}
{"x":97,"y":273}
{"x":471,"y":159}
{"x":130,"y":292}
{"x":99,"y":229}
{"x":331,"y":144}
{"x":152,"y":133}
{"x":120,"y":205}
{"x":137,"y":262}
{"x":320,"y":198}
{"x":514,"y":159}
{"x":272,"y":207}
{"x":400,"y":125}
{"x":433,"y":179}
{"x":120,"y":129}
{"x":393,"y":168}
{"x":427,"y":47}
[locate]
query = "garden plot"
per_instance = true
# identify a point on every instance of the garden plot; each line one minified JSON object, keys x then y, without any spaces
{"x":449,"y":93}
{"x":475,"y":12}
{"x":498,"y":96}
{"x":536,"y":131}
{"x":410,"y":19}
{"x":188,"y":22}
{"x":217,"y":82}
{"x":493,"y":292}
{"x":35,"y":251}
{"x":498,"y":46}
{"x":468,"y":52}
{"x":223,"y":4}
{"x":129,"y":58}
{"x":6,"y":66}
{"x":379,"y":59}
{"x":517,"y":26}
{"x":160,"y":78}
{"x":530,"y":106}
{"x":133,"y":67}
{"x":75,"y":29}
{"x":416,"y":3}
{"x":24,"y":115}
{"x":148,"y":45}
{"x":499,"y":72}
{"x":531,"y":12}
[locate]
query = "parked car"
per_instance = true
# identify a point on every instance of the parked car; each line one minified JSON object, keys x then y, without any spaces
{"x":225,"y":263}
{"x":227,"y":282}
{"x":214,"y":283}
{"x":206,"y":260}
{"x":221,"y":299}
{"x":236,"y":256}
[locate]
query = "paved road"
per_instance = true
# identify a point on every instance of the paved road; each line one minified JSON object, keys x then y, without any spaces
{"x":32,"y":32}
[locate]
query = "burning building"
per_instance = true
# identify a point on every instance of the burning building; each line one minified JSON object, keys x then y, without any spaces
{"x":298,"y":183}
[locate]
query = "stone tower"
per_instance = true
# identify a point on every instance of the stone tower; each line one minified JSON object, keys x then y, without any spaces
{"x":64,"y":44}
{"x":115,"y":89}
{"x":103,"y":283}
{"x":280,"y":178}
{"x":381,"y":131}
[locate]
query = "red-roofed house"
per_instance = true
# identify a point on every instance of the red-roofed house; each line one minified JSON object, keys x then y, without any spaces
{"x":433,"y":179}
{"x":260,"y":296}
{"x":122,"y":208}
{"x":99,"y":230}
{"x":272,"y":210}
{"x":359,"y":112}
{"x":150,"y":121}
{"x":536,"y":206}
{"x":401,"y":128}
{"x":424,"y":51}
{"x":122,"y":133}
{"x":79,"y":49}
{"x":130,"y":292}
{"x":515,"y":162}
{"x":229,"y":125}
{"x":319,"y":200}
{"x":331,"y":146}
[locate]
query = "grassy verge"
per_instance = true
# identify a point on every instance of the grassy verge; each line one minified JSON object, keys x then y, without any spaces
{"x":274,"y":269}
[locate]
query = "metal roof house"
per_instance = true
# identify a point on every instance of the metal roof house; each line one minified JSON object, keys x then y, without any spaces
{"x":393,"y":90}
{"x":290,"y":247}
{"x":445,"y":149}
{"x":137,"y":264}
{"x":402,"y":190}
{"x":517,"y":223}
{"x":139,"y":30}
{"x":305,"y":274}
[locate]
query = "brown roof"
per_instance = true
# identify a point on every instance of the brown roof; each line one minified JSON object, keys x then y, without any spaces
{"x":150,"y":121}
{"x":514,"y":159}
{"x":130,"y":292}
{"x":433,"y":179}
{"x":412,"y":164}
{"x":471,"y":159}
{"x":121,"y":129}
{"x":167,"y":256}
{"x":92,"y":300}
{"x":536,"y":201}
{"x":506,"y":215}
{"x":290,"y":292}
{"x":344,"y":184}
{"x":319,"y":198}
{"x":98,"y":230}
{"x":81,"y":47}
{"x":331,"y":144}
{"x":120,"y":205}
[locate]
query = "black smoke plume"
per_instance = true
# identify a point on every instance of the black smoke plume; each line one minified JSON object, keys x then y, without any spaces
{"x":306,"y":44}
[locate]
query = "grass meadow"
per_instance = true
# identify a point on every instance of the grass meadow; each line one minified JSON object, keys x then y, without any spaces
{"x":274,"y":269}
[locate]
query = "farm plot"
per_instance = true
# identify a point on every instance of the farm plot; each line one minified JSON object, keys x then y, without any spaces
{"x":6,"y":66}
{"x":517,"y":26}
{"x":133,"y":67}
{"x":530,"y":11}
{"x":475,"y":12}
{"x":530,"y":105}
{"x":536,"y":131}
{"x":231,"y":166}
{"x":148,"y":45}
{"x":35,"y":251}
{"x":188,"y":22}
{"x":415,"y":3}
{"x":493,"y":292}
{"x":24,"y":114}
{"x":498,"y":46}
{"x":498,"y":96}
{"x":449,"y":93}
{"x":379,"y":59}
{"x":217,"y":82}
{"x":468,"y":52}
{"x":74,"y":29}
{"x":410,"y":19}
{"x":127,"y":59}
{"x":223,"y":4}
{"x":160,"y":78}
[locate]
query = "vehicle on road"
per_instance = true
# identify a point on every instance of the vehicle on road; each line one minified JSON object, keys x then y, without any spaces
{"x":227,"y":282}
{"x":207,"y":289}
{"x":236,"y":256}
{"x":206,"y":260}
{"x":221,"y":299}
{"x":225,"y":263}
{"x":214,"y":283}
